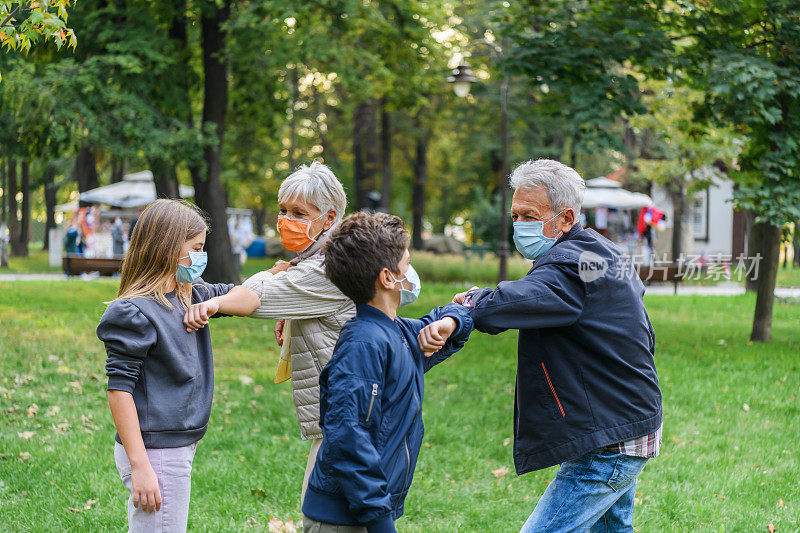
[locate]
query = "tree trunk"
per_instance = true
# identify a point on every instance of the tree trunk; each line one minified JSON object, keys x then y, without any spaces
{"x":796,"y":244}
{"x":3,"y":213}
{"x":118,"y":169}
{"x":165,"y":178}
{"x":767,"y":276}
{"x":24,"y":236}
{"x":386,"y":159}
{"x":86,"y":171}
{"x":364,"y":156}
{"x":209,"y":192}
{"x":678,"y":207}
{"x":755,"y":246}
{"x":418,"y":191}
{"x":13,"y":208}
{"x":49,"y":203}
{"x":293,"y":119}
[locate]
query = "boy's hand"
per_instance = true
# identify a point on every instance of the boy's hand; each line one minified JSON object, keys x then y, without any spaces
{"x":433,"y":336}
{"x":279,"y":331}
{"x":280,"y":266}
{"x":197,"y":315}
{"x":144,"y":488}
{"x":459,"y":298}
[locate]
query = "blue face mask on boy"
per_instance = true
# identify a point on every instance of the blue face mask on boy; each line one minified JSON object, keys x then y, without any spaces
{"x":409,"y":296}
{"x":530,"y":240}
{"x":195,"y":270}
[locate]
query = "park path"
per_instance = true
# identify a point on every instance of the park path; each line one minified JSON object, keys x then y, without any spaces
{"x":666,"y":289}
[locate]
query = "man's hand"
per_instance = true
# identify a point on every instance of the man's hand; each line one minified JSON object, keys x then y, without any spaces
{"x":279,"y":331}
{"x":459,"y":298}
{"x":144,"y":488}
{"x":280,"y":266}
{"x":433,"y":336}
{"x":197,"y":315}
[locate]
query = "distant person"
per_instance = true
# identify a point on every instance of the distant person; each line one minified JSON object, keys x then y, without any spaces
{"x":72,"y":238}
{"x":160,"y":368}
{"x":118,"y":237}
{"x":372,"y":389}
{"x":311,"y":204}
{"x":587,"y":394}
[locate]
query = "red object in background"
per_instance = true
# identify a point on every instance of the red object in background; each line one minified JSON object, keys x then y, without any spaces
{"x":649,"y":216}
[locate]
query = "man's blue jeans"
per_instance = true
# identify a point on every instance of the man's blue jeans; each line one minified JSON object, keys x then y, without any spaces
{"x":591,"y":493}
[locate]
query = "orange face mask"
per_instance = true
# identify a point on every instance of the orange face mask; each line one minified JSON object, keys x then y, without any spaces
{"x":294,"y":233}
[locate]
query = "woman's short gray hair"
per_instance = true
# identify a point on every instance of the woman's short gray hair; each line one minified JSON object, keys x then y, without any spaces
{"x":315,"y":184}
{"x":563,"y":185}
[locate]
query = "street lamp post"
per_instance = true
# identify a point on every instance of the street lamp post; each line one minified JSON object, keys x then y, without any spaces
{"x":461,"y":79}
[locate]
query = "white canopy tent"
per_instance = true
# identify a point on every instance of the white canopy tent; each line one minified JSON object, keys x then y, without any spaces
{"x":135,"y":190}
{"x":603,"y":192}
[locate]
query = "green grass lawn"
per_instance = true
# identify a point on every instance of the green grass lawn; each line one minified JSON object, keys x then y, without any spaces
{"x":729,"y":460}
{"x":37,"y":262}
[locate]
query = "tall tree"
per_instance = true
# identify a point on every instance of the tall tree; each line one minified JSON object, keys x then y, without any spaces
{"x":745,"y":56}
{"x":209,"y":192}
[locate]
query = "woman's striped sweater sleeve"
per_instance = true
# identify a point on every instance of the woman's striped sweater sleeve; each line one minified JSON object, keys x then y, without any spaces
{"x":301,"y":292}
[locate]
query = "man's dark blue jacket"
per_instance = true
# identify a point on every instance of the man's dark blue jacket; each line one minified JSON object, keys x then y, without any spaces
{"x":371,"y":416}
{"x":586,"y":374}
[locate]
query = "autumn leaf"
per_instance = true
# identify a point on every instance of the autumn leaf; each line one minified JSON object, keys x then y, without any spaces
{"x":245,"y":380}
{"x":500,"y":473}
{"x":771,"y":528}
{"x":780,"y":502}
{"x":258,"y":492}
{"x":24,"y":456}
{"x":279,"y":526}
{"x":507,"y":441}
{"x":26,"y":435}
{"x":33,"y":410}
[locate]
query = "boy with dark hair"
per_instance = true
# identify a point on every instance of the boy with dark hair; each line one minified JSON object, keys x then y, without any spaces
{"x":371,"y":390}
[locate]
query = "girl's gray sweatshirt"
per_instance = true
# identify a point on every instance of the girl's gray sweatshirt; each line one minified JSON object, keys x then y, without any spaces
{"x":169,"y":371}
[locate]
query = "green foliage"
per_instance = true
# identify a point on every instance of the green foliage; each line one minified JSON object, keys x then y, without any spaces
{"x":577,"y":55}
{"x":23,"y":24}
{"x":746,"y":59}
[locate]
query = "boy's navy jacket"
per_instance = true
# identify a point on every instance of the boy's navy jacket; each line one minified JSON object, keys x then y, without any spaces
{"x":371,"y":416}
{"x":586,"y":375}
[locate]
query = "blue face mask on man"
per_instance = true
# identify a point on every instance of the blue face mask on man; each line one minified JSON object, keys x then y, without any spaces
{"x":195,"y":270}
{"x":409,"y":296}
{"x":530,"y":240}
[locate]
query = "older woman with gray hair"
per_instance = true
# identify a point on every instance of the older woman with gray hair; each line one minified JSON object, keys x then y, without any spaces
{"x":311,"y":202}
{"x":587,"y":394}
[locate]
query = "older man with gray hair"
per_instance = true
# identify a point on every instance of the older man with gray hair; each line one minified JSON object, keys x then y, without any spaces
{"x":587,"y":392}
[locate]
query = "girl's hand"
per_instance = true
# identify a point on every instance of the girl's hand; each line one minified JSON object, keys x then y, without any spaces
{"x":279,"y":331}
{"x":144,"y":489}
{"x":280,"y":266}
{"x":433,"y":336}
{"x":197,"y":315}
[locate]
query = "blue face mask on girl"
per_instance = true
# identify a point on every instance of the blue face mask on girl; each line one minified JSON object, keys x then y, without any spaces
{"x":409,"y":296}
{"x":530,"y":240}
{"x":195,"y":270}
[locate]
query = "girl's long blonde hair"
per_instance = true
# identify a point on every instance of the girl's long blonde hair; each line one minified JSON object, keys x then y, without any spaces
{"x":149,"y":267}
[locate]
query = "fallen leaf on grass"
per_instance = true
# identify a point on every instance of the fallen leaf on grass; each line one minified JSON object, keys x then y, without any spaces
{"x":771,"y":528}
{"x":258,"y":492}
{"x":745,"y":407}
{"x":88,"y":505}
{"x":26,"y":435}
{"x":33,"y":410}
{"x":500,"y":473}
{"x":24,"y":456}
{"x":507,"y":441}
{"x":52,"y":410}
{"x":245,"y":380}
{"x":780,"y":502}
{"x":252,"y":522}
{"x":279,"y":526}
